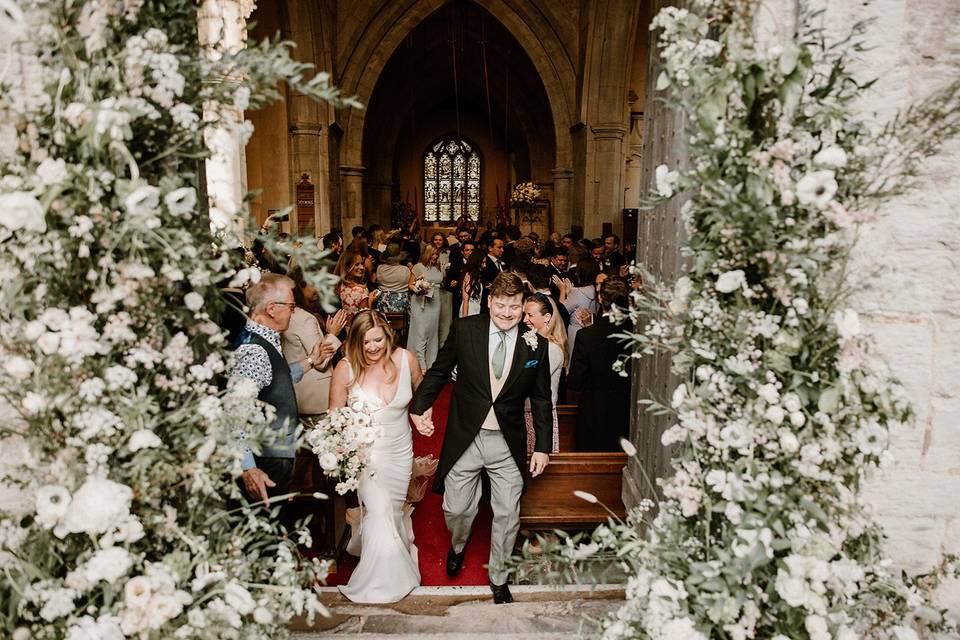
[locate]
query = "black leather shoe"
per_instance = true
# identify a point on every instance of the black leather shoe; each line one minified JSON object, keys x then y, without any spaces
{"x":454,"y":562}
{"x":501,"y":593}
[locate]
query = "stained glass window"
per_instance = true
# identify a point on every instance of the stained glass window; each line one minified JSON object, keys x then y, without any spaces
{"x":451,"y":181}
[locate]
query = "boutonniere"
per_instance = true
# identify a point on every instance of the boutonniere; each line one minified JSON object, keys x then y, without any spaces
{"x":530,"y":337}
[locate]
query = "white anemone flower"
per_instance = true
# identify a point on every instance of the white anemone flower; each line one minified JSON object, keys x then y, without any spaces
{"x":52,"y":502}
{"x":143,"y":201}
{"x":181,"y":201}
{"x":817,"y":188}
{"x":666,"y":180}
{"x":731,"y":281}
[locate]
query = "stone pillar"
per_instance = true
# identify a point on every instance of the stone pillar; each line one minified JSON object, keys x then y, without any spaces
{"x":607,"y":178}
{"x":222,"y":28}
{"x":351,"y":197}
{"x":632,"y":195}
{"x":562,"y":199}
{"x":306,"y":151}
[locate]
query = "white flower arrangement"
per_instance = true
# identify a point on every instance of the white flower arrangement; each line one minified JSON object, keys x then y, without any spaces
{"x":530,"y":337}
{"x":423,"y":287}
{"x":783,"y":409}
{"x":341,"y":439}
{"x":525,"y":193}
{"x":128,"y":461}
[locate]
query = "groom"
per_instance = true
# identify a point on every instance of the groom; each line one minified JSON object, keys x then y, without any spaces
{"x":498,"y":367}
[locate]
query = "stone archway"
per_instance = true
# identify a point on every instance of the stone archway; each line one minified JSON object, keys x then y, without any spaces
{"x":380,"y":40}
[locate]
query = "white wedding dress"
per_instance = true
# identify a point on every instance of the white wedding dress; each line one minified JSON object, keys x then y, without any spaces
{"x":388,"y":568}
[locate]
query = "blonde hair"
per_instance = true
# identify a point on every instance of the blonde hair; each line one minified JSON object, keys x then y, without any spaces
{"x":357,"y":355}
{"x":428,"y":252}
{"x":556,"y":331}
{"x":346,"y":262}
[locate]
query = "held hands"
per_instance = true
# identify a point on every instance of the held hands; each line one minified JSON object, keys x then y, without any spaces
{"x":256,"y":481}
{"x":424,"y":423}
{"x":538,"y":463}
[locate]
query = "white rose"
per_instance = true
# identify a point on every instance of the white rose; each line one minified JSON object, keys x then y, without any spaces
{"x":144,"y":439}
{"x":797,"y":418}
{"x":51,"y":503}
{"x":137,"y":592}
{"x":143,"y":201}
{"x":788,"y":441}
{"x":666,"y":180}
{"x":52,"y":171}
{"x":769,"y":393}
{"x":161,"y":609}
{"x":816,"y":626}
{"x":775,"y":414}
{"x":109,"y":565}
{"x":237,"y":597}
{"x":817,"y":188}
{"x":794,"y":591}
{"x":831,"y":157}
{"x":731,"y":281}
{"x":328,"y":462}
{"x":262,"y":615}
{"x":847,"y":323}
{"x":791,"y":402}
{"x":181,"y":201}
{"x":193,"y":301}
{"x":19,"y":210}
{"x":96,"y":506}
{"x":18,"y":367}
{"x":33,"y":403}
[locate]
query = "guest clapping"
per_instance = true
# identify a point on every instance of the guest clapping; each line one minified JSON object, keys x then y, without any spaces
{"x":352,"y":289}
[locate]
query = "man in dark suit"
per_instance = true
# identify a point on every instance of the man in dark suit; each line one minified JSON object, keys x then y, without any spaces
{"x":604,"y":413}
{"x":492,"y":267}
{"x":498,"y":368}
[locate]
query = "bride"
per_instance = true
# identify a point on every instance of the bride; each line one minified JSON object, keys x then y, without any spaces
{"x":385,"y":377}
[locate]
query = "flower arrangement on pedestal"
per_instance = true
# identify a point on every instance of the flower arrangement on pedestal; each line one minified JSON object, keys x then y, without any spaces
{"x":524,"y":196}
{"x":784,"y":407}
{"x":127,"y":519}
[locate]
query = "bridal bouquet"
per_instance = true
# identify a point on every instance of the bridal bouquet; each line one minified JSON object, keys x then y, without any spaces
{"x":423,"y":287}
{"x":341,"y":438}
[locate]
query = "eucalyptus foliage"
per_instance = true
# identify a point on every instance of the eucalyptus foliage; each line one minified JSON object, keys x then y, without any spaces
{"x":130,"y":522}
{"x":785,"y":407}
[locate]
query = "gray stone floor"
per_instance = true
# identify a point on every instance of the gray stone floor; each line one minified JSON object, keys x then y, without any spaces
{"x":536,"y":613}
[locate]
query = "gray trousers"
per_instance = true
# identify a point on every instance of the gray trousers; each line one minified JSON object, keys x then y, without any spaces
{"x":461,"y":497}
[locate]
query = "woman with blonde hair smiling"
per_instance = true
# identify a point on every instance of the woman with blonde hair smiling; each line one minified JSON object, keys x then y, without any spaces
{"x":384,"y":377}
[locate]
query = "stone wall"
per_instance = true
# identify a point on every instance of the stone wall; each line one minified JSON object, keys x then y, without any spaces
{"x":913,"y":306}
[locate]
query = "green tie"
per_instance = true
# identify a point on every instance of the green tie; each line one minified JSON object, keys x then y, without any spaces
{"x":500,"y":355}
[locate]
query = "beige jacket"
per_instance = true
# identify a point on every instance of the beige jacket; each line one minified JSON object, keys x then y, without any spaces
{"x":313,"y":391}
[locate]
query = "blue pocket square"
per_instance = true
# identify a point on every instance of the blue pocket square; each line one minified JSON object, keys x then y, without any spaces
{"x":531,"y":364}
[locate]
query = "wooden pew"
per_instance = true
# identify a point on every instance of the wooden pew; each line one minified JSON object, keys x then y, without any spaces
{"x":549,"y":501}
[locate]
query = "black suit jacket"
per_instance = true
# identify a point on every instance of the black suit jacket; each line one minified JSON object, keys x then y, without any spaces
{"x":529,"y":377}
{"x":603,"y":416}
{"x":488,"y":272}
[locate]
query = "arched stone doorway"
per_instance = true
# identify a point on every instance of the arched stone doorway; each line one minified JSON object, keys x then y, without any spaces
{"x":461,"y":73}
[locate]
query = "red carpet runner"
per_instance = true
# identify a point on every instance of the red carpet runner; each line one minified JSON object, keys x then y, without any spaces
{"x":429,"y":528}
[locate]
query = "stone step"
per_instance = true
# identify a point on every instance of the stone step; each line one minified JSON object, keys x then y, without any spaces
{"x":535,"y":614}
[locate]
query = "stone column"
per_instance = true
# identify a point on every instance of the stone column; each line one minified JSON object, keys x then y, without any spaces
{"x":306,"y":151}
{"x":351,"y":197}
{"x":222,"y":28}
{"x":562,"y":199}
{"x":633,"y":170}
{"x":607,"y":178}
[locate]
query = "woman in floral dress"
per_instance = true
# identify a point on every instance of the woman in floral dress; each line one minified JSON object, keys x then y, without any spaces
{"x":352,"y":289}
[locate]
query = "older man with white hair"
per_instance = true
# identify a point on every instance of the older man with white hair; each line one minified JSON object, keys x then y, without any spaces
{"x":259,"y":358}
